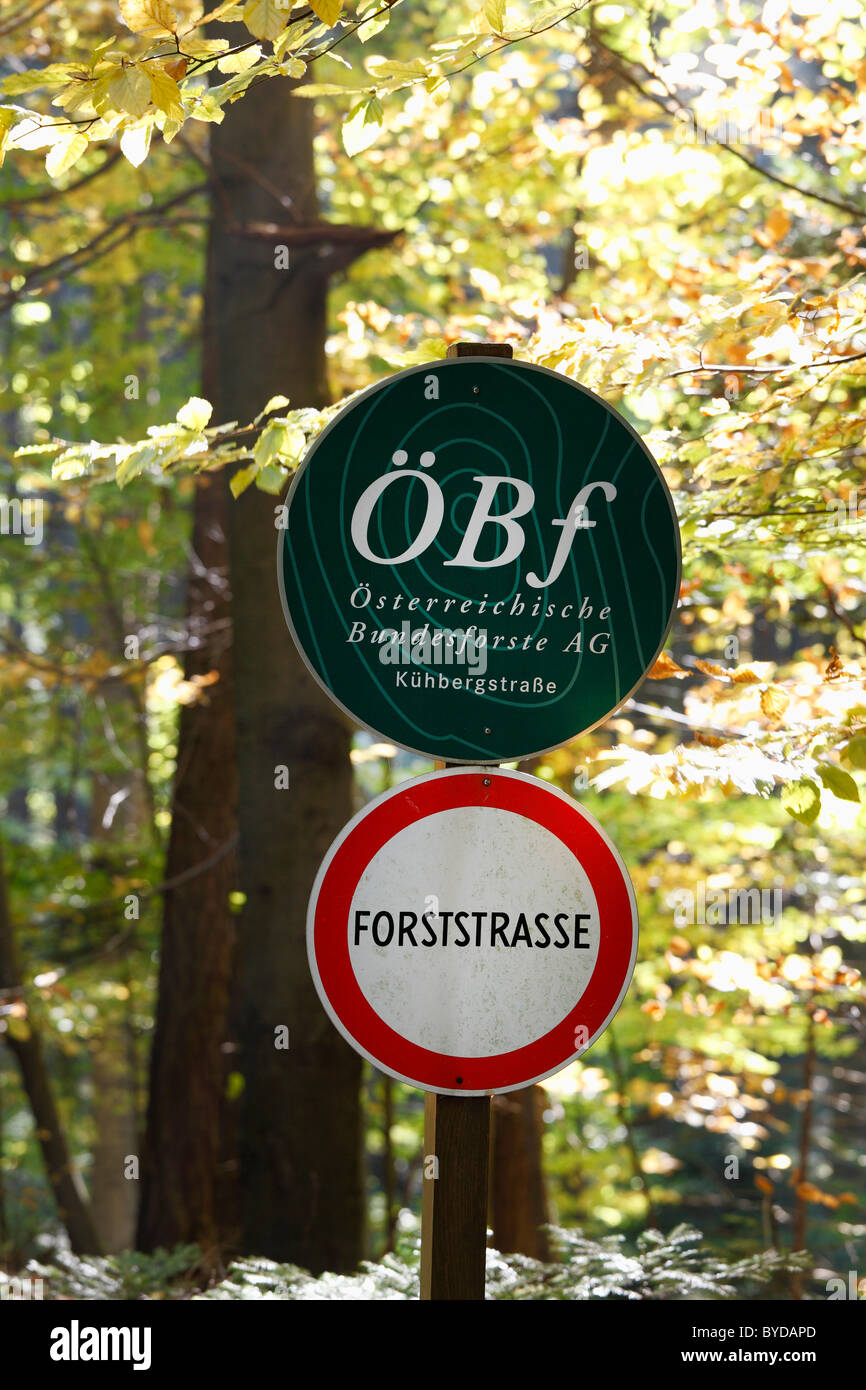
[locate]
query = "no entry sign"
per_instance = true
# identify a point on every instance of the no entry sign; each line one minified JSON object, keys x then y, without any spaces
{"x":472,"y":931}
{"x":481,"y":559}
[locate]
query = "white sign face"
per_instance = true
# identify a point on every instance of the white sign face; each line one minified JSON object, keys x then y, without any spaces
{"x":472,"y":931}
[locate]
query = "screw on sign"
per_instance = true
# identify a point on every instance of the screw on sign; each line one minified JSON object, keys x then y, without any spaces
{"x":481,"y":559}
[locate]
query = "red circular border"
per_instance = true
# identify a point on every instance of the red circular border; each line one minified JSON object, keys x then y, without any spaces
{"x":617,"y":924}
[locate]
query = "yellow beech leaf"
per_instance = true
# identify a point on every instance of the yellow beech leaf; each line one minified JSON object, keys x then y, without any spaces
{"x":135,"y":141}
{"x":328,"y":11}
{"x":129,"y":91}
{"x":265,"y":19}
{"x":664,"y":668}
{"x":195,"y":414}
{"x":64,"y":154}
{"x":153,"y":17}
{"x":778,"y":224}
{"x":165,"y":94}
{"x":774,"y":702}
{"x":494,"y":13}
{"x":710,"y":668}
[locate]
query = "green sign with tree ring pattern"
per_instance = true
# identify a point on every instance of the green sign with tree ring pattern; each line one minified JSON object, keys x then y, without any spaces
{"x":480,"y":559}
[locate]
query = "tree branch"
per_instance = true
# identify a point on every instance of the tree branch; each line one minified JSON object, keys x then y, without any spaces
{"x":15,"y":203}
{"x":121,"y":228}
{"x":620,"y":66}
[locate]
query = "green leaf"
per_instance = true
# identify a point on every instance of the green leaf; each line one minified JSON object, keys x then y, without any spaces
{"x":72,"y":463}
{"x":240,"y":481}
{"x":135,"y":462}
{"x":54,"y":75}
{"x":271,"y":479}
{"x":802,"y":800}
{"x":328,"y":89}
{"x":494,"y":13}
{"x":292,"y":36}
{"x":195,"y":414}
{"x":275,"y":403}
{"x":382,"y":68}
{"x":855,"y":753}
{"x":552,"y":16}
{"x":276,"y":438}
{"x":362,"y":126}
{"x":376,"y":23}
{"x":838,"y":782}
{"x":7,"y":121}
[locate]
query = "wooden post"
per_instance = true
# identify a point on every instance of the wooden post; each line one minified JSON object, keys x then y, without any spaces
{"x":480,"y":350}
{"x":456,"y":1143}
{"x":454,"y":1196}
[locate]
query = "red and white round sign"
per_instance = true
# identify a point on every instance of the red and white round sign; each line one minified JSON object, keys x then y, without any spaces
{"x":472,"y":931}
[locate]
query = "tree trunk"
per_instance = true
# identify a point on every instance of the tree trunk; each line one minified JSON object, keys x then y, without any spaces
{"x":518,"y":1194}
{"x":300,"y":1126}
{"x":186,"y":1194}
{"x":114,"y":1196}
{"x":518,"y":1201}
{"x":65,"y":1181}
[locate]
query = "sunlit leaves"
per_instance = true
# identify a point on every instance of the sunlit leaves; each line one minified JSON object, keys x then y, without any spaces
{"x":802,"y":800}
{"x":7,"y":121}
{"x":494,"y":13}
{"x":328,"y":11}
{"x":124,"y":88}
{"x":855,"y":752}
{"x":264,"y":18}
{"x":362,"y":126}
{"x":839,"y":782}
{"x":239,"y":62}
{"x":64,"y":153}
{"x":53,"y":75}
{"x":379,"y":14}
{"x":152,"y":18}
{"x":165,"y":93}
{"x":195,"y":414}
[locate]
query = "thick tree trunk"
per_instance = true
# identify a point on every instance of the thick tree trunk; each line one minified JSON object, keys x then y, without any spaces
{"x":186,"y":1195}
{"x":518,"y":1194}
{"x":518,"y":1201}
{"x":72,"y":1204}
{"x":300,"y":1128}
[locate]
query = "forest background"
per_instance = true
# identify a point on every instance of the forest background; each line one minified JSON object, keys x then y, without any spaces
{"x":216,"y":228}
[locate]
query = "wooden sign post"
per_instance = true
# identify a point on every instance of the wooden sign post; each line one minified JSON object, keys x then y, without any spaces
{"x":456,"y":1142}
{"x":454,"y":1196}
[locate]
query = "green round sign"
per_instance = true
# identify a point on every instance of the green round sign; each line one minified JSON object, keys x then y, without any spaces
{"x":480,"y":560}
